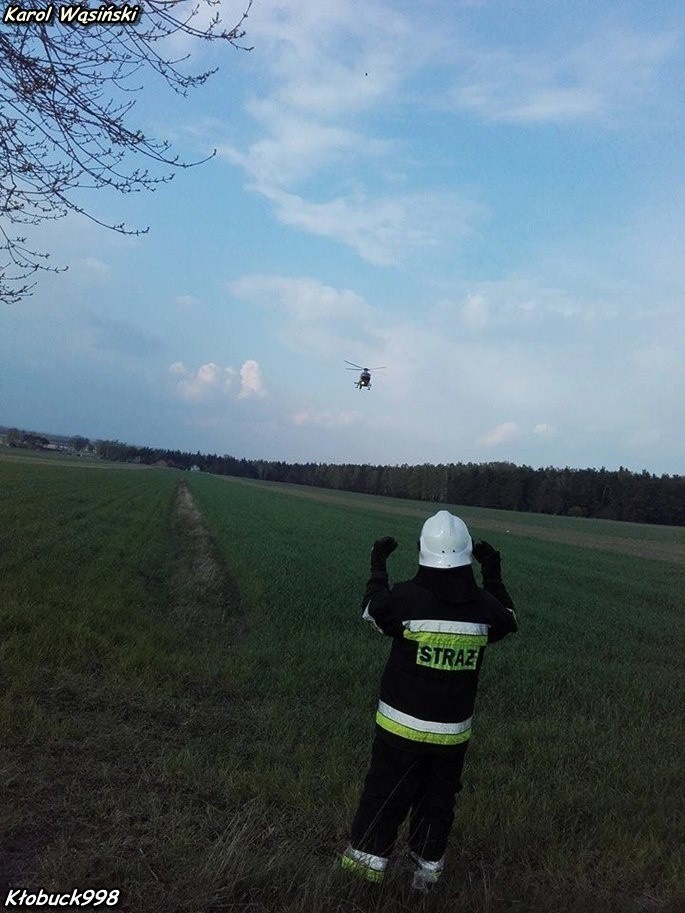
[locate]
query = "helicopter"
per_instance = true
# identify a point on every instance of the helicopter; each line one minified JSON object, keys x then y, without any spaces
{"x":365,"y":376}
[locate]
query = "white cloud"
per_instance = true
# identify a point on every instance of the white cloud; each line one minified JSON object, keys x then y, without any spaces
{"x":329,"y":68}
{"x":187,"y":302}
{"x":520,"y":303}
{"x":330,"y":56}
{"x":328,"y":420}
{"x":432,"y":368}
{"x":475,"y":312}
{"x":382,"y":230}
{"x":295,"y":148}
{"x":500,"y":434}
{"x":302,"y":298}
{"x":596,"y":79}
{"x":251,"y":381}
{"x":92,"y":268}
{"x":316,"y":319}
{"x":210,"y":380}
{"x":508,"y":101}
{"x":522,"y":363}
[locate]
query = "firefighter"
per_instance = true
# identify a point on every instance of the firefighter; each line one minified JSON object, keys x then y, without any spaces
{"x":440,"y":622}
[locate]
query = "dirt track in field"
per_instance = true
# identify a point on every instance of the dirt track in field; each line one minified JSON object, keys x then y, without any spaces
{"x":673,"y":552}
{"x":202,"y":590}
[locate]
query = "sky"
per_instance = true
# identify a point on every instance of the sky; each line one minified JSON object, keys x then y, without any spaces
{"x":485,"y":197}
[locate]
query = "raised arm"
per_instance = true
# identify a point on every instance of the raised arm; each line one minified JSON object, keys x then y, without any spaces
{"x":490,"y":562}
{"x":378,"y":603}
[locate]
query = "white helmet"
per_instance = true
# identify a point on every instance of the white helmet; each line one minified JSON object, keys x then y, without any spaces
{"x":445,"y":541}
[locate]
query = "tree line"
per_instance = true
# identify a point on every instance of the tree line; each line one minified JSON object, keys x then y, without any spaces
{"x":30,"y":440}
{"x":608,"y":494}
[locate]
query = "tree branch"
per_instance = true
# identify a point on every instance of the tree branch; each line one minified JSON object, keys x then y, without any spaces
{"x":65,"y":101}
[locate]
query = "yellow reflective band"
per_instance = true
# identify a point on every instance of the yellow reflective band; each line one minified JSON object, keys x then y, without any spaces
{"x":444,"y":626}
{"x":447,"y":640}
{"x":359,"y":868}
{"x":417,"y":735}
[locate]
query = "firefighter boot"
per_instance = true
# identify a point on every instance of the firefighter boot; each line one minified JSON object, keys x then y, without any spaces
{"x":426,"y":873}
{"x":365,"y":865}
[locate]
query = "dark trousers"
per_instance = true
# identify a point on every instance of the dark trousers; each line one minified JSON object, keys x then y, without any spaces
{"x":401,"y":782}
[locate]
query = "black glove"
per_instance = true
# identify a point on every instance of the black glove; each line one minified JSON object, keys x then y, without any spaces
{"x":380,"y":551}
{"x":489,"y":559}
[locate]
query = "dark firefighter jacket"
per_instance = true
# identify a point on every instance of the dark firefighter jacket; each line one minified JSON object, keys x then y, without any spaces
{"x":440,"y":623}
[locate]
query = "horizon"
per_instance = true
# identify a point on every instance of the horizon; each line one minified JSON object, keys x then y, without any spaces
{"x":60,"y":436}
{"x":489,"y":202}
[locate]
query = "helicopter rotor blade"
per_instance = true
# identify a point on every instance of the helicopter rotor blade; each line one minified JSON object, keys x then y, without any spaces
{"x":359,"y":367}
{"x":379,"y":368}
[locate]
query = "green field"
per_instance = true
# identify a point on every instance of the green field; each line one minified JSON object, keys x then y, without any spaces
{"x":187,"y":709}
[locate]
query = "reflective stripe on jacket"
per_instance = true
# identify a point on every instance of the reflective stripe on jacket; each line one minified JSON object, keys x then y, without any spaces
{"x":440,"y":623}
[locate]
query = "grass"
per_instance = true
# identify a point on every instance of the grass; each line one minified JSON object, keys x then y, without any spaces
{"x":22,"y":454}
{"x":207,"y":765}
{"x":532,"y":521}
{"x":100,"y":685}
